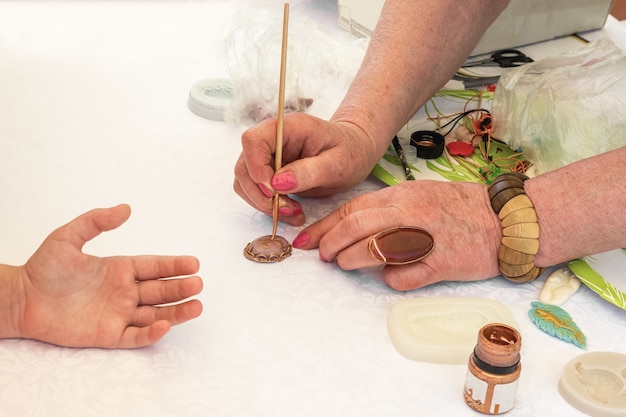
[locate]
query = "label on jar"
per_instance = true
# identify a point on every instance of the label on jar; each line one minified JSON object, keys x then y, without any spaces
{"x":489,"y":397}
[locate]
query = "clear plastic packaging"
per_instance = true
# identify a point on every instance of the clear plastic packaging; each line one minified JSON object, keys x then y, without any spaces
{"x":317,"y":62}
{"x":564,"y":108}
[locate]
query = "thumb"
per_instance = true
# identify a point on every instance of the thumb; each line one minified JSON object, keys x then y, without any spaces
{"x":314,"y":176}
{"x":90,"y":224}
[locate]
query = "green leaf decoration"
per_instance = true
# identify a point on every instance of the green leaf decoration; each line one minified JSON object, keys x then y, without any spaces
{"x":557,"y":323}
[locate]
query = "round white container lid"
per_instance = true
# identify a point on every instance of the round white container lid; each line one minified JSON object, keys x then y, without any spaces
{"x":208,"y":98}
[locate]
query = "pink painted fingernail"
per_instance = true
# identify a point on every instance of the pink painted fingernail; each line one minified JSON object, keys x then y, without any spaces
{"x":300,"y":240}
{"x":288,"y":211}
{"x":285,"y":211}
{"x":297,"y":210}
{"x":266,"y":191}
{"x":283,"y":182}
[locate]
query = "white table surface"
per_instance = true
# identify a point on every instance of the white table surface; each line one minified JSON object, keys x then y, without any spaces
{"x":93,"y":113}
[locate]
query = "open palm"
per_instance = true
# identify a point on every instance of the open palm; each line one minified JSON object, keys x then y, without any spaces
{"x":73,"y":299}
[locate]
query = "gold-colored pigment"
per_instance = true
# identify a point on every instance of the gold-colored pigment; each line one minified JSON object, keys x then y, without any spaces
{"x":493,"y":370}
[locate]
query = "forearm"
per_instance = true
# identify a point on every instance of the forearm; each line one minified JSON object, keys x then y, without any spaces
{"x":580,"y":208}
{"x":415,"y":49}
{"x":9,"y":304}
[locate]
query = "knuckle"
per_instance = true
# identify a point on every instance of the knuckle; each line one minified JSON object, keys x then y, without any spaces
{"x":354,"y":226}
{"x":248,"y":136}
{"x":240,"y":167}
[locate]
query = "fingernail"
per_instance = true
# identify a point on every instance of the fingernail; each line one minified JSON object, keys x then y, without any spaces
{"x":266,"y":191}
{"x":300,"y":240}
{"x":288,"y":211}
{"x":283,"y":182}
{"x":285,"y":211}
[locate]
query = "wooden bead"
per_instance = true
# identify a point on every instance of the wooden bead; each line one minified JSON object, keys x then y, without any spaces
{"x":520,"y":244}
{"x":524,"y":215}
{"x":502,"y":184}
{"x":511,"y":256}
{"x":503,"y":197}
{"x":511,"y":177}
{"x":516,"y":203}
{"x":527,"y":277}
{"x":509,"y":270}
{"x":525,"y":230}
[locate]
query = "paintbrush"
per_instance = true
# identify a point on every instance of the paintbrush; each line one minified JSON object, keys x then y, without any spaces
{"x":405,"y":165}
{"x":278,"y":154}
{"x":273,"y":248}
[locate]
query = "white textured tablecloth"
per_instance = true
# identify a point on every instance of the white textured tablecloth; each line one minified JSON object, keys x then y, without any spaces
{"x":93,"y":113}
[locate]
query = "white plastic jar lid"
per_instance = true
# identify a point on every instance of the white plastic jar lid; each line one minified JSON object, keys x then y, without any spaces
{"x":208,"y":98}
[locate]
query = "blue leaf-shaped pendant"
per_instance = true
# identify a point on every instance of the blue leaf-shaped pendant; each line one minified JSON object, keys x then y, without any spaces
{"x":556,"y":322}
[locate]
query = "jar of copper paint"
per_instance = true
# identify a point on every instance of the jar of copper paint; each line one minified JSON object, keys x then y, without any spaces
{"x":493,"y":369}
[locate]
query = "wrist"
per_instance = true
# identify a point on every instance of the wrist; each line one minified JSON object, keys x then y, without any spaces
{"x":365,"y":142}
{"x":494,"y":231}
{"x":11,"y":300}
{"x":580,"y":208}
{"x":520,"y":228}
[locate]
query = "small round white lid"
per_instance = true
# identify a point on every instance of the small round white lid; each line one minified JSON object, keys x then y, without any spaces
{"x":595,"y":384}
{"x":208,"y":98}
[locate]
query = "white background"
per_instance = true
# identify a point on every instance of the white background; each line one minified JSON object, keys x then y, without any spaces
{"x":93,"y":113}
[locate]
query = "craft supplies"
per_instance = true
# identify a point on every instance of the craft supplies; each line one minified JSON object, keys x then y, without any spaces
{"x":429,"y":144}
{"x":506,"y":58}
{"x":595,"y":384}
{"x":208,"y":98}
{"x":559,"y":286}
{"x":603,"y":273}
{"x":552,"y":108}
{"x":493,"y":370}
{"x":401,"y":156}
{"x":273,"y":248}
{"x":556,"y":322}
{"x":442,"y":329}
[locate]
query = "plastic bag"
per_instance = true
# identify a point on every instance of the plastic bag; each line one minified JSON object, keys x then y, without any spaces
{"x":317,"y":62}
{"x":564,"y":108}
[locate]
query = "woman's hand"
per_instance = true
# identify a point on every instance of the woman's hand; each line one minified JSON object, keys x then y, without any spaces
{"x":319,"y":158}
{"x":458,"y":215}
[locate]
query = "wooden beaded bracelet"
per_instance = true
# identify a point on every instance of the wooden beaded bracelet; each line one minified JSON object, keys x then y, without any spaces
{"x":520,"y":229}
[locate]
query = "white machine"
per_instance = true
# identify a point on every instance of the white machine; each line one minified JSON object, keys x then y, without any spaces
{"x":523,"y":22}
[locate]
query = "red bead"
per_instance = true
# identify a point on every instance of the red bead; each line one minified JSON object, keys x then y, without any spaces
{"x":460,"y":148}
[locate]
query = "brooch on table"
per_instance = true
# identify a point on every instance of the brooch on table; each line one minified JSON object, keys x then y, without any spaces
{"x":557,"y":323}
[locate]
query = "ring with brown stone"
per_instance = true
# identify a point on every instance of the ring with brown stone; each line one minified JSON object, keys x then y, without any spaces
{"x":401,"y":245}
